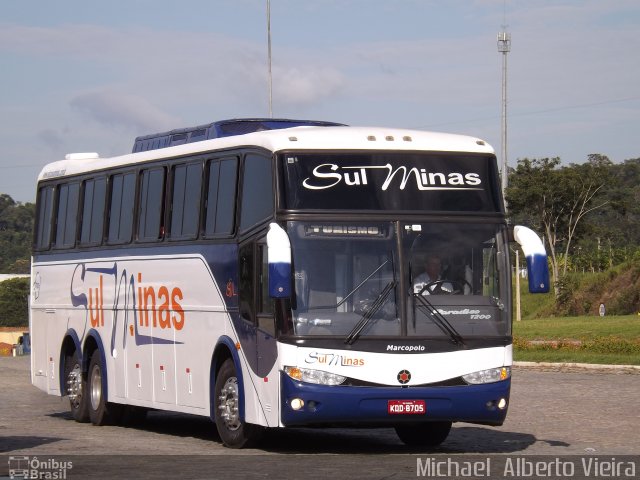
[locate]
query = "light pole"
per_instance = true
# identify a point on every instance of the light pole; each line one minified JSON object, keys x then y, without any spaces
{"x":504,"y":46}
{"x":269,"y":58}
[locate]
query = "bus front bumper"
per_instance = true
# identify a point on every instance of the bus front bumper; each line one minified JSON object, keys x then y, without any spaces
{"x":306,"y":404}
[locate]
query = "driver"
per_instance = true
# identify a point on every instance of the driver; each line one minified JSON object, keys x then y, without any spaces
{"x":432,"y":273}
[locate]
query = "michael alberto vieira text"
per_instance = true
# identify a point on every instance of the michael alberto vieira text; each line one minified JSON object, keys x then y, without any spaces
{"x":532,"y":467}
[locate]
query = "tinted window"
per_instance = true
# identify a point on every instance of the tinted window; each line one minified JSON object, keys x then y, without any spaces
{"x":45,"y":212}
{"x":221,"y":197}
{"x":123,"y":189}
{"x":93,"y":211}
{"x":265,"y":303}
{"x":185,"y":204}
{"x":67,"y":213}
{"x":151,"y":205}
{"x":257,"y":191}
{"x":246,"y":283}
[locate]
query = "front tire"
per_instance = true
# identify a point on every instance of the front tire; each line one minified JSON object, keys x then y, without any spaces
{"x":101,"y":412}
{"x":233,"y":432}
{"x":76,"y":388}
{"x":428,"y":434}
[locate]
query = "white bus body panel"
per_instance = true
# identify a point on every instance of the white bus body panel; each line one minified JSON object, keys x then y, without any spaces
{"x":164,"y":366}
{"x":383,"y":368}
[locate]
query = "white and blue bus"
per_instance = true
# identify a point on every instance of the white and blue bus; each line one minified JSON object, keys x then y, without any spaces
{"x":276,"y":278}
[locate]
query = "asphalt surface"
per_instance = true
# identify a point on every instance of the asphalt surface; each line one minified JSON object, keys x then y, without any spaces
{"x":570,"y":413}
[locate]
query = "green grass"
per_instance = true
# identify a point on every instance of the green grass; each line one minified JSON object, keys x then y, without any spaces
{"x":578,"y":328}
{"x":533,"y":305}
{"x":587,"y":339}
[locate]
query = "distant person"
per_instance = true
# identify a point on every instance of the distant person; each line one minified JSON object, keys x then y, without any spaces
{"x":432,"y":273}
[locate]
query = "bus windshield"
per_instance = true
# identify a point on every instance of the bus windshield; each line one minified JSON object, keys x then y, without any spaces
{"x":349,"y":280}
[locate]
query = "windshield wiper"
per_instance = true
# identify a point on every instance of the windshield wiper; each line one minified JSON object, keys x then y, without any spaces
{"x":427,"y":308}
{"x":375,"y":306}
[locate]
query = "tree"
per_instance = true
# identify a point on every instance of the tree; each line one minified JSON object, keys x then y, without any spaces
{"x":613,"y":234}
{"x":16,"y":233}
{"x":555,"y":200}
{"x":14,"y":294}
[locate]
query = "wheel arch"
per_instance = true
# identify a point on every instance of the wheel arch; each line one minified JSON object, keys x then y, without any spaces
{"x":92,"y":343}
{"x":70,"y":344}
{"x":225,"y":349}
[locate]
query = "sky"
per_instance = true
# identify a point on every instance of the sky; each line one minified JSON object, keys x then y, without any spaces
{"x":83,"y":76}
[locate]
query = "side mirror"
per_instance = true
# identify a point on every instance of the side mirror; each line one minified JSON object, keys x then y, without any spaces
{"x":279,"y":259}
{"x":536,"y":255}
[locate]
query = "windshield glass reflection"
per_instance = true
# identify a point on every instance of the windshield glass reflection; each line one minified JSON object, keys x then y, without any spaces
{"x":348,"y":277}
{"x":344,"y":279}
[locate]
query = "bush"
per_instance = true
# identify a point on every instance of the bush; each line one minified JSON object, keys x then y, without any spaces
{"x":14,"y":305}
{"x":608,"y":345}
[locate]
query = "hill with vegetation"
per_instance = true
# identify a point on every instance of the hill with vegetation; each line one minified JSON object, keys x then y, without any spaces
{"x":618,"y":288}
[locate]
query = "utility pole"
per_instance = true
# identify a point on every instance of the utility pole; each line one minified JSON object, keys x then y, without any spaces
{"x":504,"y":46}
{"x":269,"y":58}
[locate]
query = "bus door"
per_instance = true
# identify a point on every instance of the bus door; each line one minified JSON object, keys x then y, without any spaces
{"x":258,"y":326}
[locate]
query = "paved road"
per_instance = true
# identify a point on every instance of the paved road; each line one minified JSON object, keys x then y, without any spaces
{"x":552,"y":413}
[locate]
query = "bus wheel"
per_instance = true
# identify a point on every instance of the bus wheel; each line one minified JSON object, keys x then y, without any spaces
{"x":429,"y":434}
{"x":233,"y":432}
{"x":101,"y":412}
{"x":76,"y":388}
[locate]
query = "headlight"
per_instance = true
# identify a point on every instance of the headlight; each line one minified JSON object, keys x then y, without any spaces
{"x":314,"y":376}
{"x":488,"y":376}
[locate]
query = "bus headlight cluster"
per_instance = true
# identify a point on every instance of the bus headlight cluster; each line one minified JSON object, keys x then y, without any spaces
{"x":310,"y":375}
{"x":488,"y":376}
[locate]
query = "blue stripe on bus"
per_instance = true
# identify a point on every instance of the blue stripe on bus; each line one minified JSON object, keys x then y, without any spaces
{"x":326,"y":405}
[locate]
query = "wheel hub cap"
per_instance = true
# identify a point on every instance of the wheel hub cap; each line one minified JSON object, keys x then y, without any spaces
{"x":228,"y":404}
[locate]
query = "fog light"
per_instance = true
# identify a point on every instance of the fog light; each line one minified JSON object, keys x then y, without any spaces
{"x":502,"y":404}
{"x":297,"y":403}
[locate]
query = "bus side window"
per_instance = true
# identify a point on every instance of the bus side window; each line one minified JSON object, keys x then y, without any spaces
{"x":67,"y":216}
{"x":45,"y":216}
{"x":123,"y":189}
{"x":221,"y":197}
{"x":265,"y":302}
{"x":92,"y":223}
{"x":266,"y":319}
{"x":256,"y":306}
{"x":150,"y":221}
{"x":185,"y":201}
{"x":246,"y":295}
{"x":257,"y":191}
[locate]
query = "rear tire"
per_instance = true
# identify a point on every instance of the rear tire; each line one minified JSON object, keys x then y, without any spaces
{"x":428,"y":434}
{"x":76,"y":388}
{"x":101,"y":412}
{"x":233,"y":432}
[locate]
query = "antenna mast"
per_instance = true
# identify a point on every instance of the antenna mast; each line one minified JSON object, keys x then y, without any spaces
{"x":504,"y":46}
{"x":269,"y":58}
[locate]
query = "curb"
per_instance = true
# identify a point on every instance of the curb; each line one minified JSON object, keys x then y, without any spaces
{"x":580,"y":366}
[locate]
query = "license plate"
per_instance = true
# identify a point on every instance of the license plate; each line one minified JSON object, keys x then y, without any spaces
{"x":406,"y":407}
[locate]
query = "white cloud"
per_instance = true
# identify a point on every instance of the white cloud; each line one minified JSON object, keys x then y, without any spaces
{"x":295,"y":86}
{"x":120,"y":109}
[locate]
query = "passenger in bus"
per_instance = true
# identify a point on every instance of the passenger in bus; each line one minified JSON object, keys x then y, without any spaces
{"x":432,"y":278}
